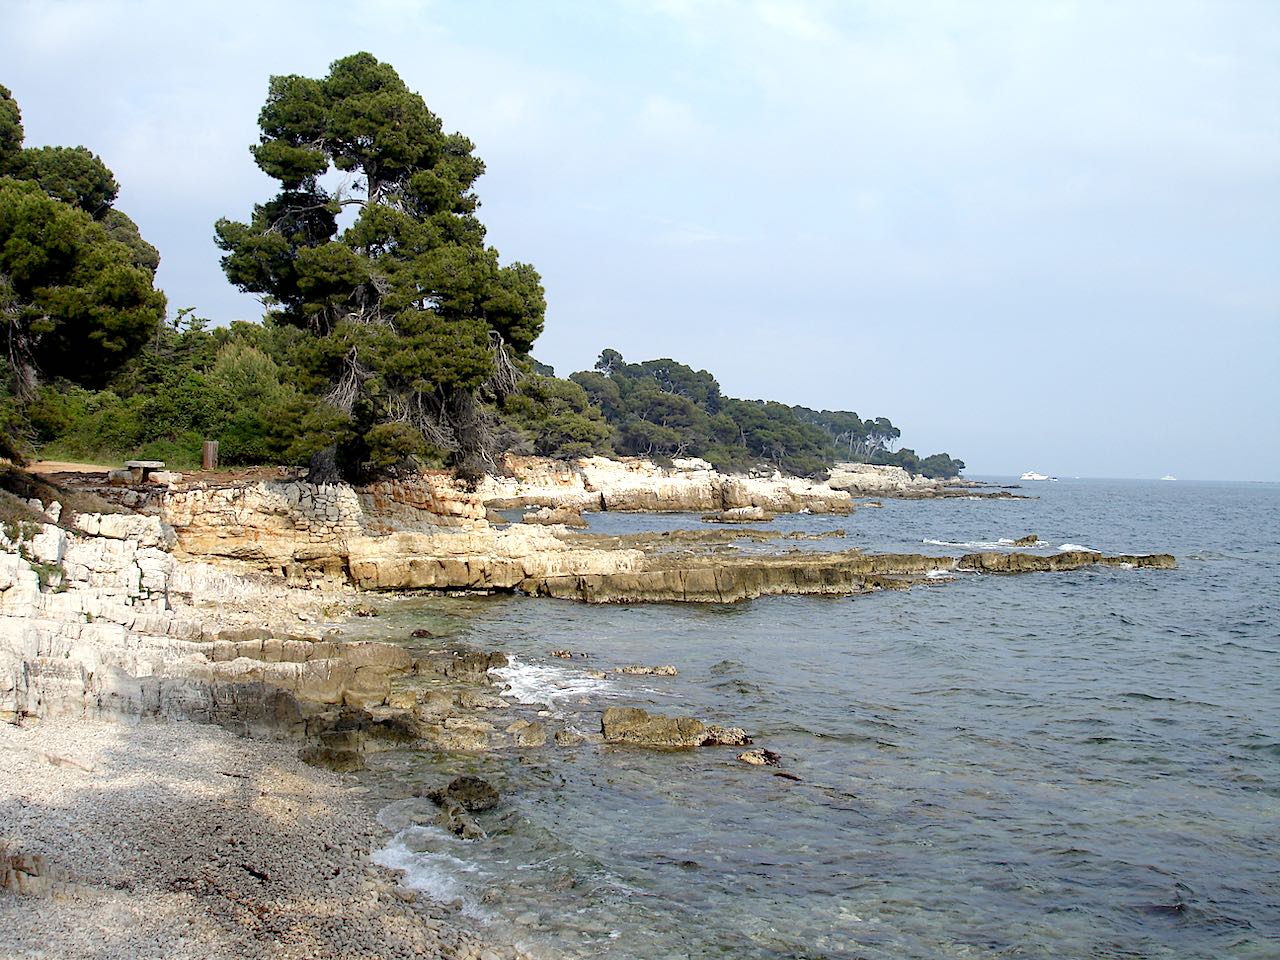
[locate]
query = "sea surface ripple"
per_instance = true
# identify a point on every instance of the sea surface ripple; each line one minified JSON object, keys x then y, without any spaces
{"x":1055,"y":765}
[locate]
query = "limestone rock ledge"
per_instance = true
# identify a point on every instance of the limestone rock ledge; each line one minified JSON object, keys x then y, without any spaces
{"x":715,"y":578}
{"x":477,"y":560}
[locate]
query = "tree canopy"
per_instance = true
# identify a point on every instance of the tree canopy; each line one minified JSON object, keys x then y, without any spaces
{"x":412,"y":317}
{"x":665,"y":409}
{"x":76,"y":278}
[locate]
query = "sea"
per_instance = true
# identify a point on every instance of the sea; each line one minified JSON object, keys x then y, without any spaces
{"x":1076,"y":765}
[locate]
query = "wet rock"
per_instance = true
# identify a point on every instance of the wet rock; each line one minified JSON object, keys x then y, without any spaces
{"x":422,"y":633}
{"x":562,"y":654}
{"x":636,"y":726}
{"x":433,"y":704}
{"x":567,"y":738}
{"x":596,"y":674}
{"x":760,"y":757}
{"x":636,"y":669}
{"x":532,"y":735}
{"x":1026,"y":541}
{"x":470,"y":793}
{"x":718,"y":736}
{"x":402,"y":700}
{"x":462,"y":734}
{"x":454,"y":818}
{"x":469,"y":665}
{"x":478,"y":700}
{"x":1058,"y":562}
{"x":338,"y":760}
{"x":567,"y":516}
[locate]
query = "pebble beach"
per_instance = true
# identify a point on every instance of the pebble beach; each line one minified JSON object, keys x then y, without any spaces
{"x":178,"y":840}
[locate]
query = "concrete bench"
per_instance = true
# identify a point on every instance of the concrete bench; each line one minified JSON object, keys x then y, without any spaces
{"x":141,"y":469}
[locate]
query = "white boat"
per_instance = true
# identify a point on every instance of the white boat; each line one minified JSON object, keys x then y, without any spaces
{"x":1168,"y":476}
{"x":1032,"y":475}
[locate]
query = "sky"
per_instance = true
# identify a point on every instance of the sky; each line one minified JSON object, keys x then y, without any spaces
{"x":1035,"y":235}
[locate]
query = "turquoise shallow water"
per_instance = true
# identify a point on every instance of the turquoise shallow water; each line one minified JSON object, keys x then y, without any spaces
{"x":1069,"y":765}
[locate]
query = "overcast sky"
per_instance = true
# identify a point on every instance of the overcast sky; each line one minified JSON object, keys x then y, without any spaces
{"x":1036,"y":235}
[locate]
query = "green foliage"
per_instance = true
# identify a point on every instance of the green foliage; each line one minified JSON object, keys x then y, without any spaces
{"x":76,"y":294}
{"x":74,"y":175}
{"x":11,"y":135}
{"x":555,"y":418}
{"x":123,"y":230}
{"x":937,"y":466}
{"x":71,"y":301}
{"x":410,"y":315}
{"x":188,"y":385}
{"x":665,"y":409}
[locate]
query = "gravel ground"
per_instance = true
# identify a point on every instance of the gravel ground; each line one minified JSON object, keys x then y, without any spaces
{"x":175,"y":840}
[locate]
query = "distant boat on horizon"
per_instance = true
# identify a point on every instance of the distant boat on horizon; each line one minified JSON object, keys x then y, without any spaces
{"x":1032,"y":475}
{"x":1168,"y":476}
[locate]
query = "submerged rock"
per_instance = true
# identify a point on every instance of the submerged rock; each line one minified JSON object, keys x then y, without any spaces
{"x":635,"y":669}
{"x":470,"y":793}
{"x":330,"y":758}
{"x":761,"y":757}
{"x":454,"y":818}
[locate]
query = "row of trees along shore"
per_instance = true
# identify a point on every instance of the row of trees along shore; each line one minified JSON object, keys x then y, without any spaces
{"x":393,"y":336}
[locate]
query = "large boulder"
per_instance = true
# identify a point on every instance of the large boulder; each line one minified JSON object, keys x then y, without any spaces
{"x":636,"y":726}
{"x":739,"y":515}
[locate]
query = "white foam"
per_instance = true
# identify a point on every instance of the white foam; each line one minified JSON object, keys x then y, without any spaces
{"x":435,"y":874}
{"x":1075,"y":547}
{"x":548,"y":683}
{"x":973,"y":544}
{"x":940,"y":575}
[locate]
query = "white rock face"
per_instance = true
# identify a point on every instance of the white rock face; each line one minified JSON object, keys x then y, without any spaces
{"x":874,"y":480}
{"x":143,"y":531}
{"x":49,"y":545}
{"x":632,"y":483}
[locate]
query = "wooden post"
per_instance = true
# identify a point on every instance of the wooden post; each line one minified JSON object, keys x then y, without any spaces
{"x":209,"y":455}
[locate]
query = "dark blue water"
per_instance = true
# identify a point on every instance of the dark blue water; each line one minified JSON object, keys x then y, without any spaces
{"x":1052,"y":765}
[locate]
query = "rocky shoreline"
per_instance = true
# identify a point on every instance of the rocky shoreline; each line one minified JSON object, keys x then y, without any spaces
{"x":219,"y":602}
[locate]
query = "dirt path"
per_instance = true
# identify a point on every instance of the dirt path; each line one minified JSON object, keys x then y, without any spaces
{"x":61,"y":466}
